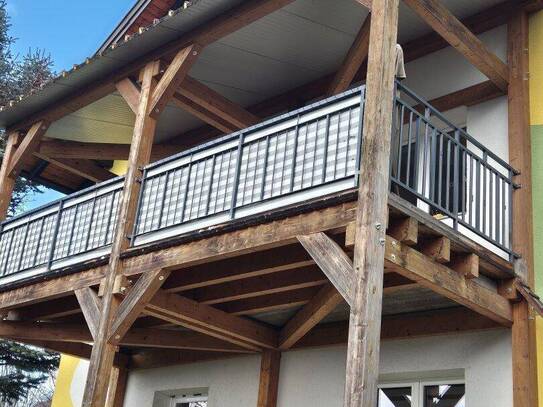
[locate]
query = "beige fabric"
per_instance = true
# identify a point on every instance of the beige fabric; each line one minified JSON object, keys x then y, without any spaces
{"x":400,"y":65}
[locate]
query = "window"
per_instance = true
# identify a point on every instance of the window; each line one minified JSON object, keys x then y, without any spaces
{"x":191,"y":401}
{"x":422,"y":394}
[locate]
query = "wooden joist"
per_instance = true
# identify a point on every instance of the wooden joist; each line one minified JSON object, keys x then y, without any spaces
{"x":326,"y":300}
{"x":355,"y":57}
{"x":217,"y":104}
{"x":333,"y":261}
{"x":134,"y":303}
{"x":415,"y":266}
{"x":84,"y":168}
{"x":438,"y":249}
{"x":405,"y":230}
{"x":172,"y":78}
{"x":130,"y":93}
{"x":206,"y":319}
{"x":462,"y":39}
{"x":27,"y":147}
{"x":202,"y":113}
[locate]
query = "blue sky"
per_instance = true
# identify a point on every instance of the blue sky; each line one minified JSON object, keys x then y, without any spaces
{"x":69,"y":30}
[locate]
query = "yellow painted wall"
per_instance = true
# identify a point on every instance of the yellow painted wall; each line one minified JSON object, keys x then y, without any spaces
{"x":536,"y":121}
{"x":62,"y":396}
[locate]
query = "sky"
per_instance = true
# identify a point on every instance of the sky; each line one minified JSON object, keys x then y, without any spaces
{"x":68,"y":30}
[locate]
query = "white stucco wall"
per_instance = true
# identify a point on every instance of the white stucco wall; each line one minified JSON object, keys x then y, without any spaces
{"x":315,"y":377}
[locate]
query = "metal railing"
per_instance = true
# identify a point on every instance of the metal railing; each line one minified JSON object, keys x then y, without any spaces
{"x":301,"y":155}
{"x":445,"y":171}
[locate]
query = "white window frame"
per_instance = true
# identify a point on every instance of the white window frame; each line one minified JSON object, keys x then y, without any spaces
{"x":190,"y":399}
{"x":417,"y":387}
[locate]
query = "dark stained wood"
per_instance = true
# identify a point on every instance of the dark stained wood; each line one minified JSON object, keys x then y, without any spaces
{"x":134,"y":303}
{"x":355,"y":57}
{"x":269,"y":379}
{"x":7,"y":182}
{"x":326,"y":300}
{"x":458,"y":36}
{"x":117,"y":387}
{"x":206,"y":319}
{"x":371,"y":219}
{"x":333,"y":261}
{"x":172,"y":78}
{"x":90,"y":305}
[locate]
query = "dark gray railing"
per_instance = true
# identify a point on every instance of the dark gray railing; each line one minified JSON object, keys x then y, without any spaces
{"x":442,"y":169}
{"x":301,"y":155}
{"x":305,"y":154}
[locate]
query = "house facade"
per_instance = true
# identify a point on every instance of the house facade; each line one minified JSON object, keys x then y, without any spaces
{"x":264,"y":208}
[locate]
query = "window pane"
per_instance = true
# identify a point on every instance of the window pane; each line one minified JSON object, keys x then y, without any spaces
{"x":395,"y":397}
{"x":445,"y":396}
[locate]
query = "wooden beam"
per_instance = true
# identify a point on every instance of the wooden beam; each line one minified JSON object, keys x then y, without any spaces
{"x":365,"y":317}
{"x":90,"y":305}
{"x":417,"y":267}
{"x":355,"y":57}
{"x":438,"y":249}
{"x":333,"y":261}
{"x":103,"y":351}
{"x":130,"y":93}
{"x":206,"y":319}
{"x":405,"y":230}
{"x":525,"y":375}
{"x":202,"y":113}
{"x":326,"y":300}
{"x":458,"y":36}
{"x":466,"y":265}
{"x":269,"y":379}
{"x":172,"y":78}
{"x":117,"y":387}
{"x":365,"y":3}
{"x":27,"y":146}
{"x":55,"y":148}
{"x":217,"y":104}
{"x":7,"y":182}
{"x":134,"y":303}
{"x":84,"y":168}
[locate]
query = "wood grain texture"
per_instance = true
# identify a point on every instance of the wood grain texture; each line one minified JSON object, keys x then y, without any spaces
{"x":134,"y":303}
{"x":365,"y":317}
{"x":7,"y":182}
{"x":91,"y":306}
{"x":326,"y":300}
{"x":117,"y":387}
{"x":268,"y":386}
{"x":27,"y":147}
{"x":130,"y":93}
{"x":462,"y":39}
{"x":333,"y":261}
{"x":172,"y":78}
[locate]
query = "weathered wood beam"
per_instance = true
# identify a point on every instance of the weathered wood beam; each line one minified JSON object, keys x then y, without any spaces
{"x":152,"y":358}
{"x":206,"y":319}
{"x":269,"y":379}
{"x":130,"y":93}
{"x":326,"y":300}
{"x":365,"y":3}
{"x":252,"y":239}
{"x":90,"y":305}
{"x":466,"y":265}
{"x":217,"y":104}
{"x":117,"y":387}
{"x":7,"y":182}
{"x":172,"y":78}
{"x":417,"y":267}
{"x":355,"y":57}
{"x":84,"y":168}
{"x":134,"y":303}
{"x":55,"y":148}
{"x":333,"y":261}
{"x":438,"y":249}
{"x":525,"y":375}
{"x":458,"y":36}
{"x":202,"y":113}
{"x":103,"y":351}
{"x":365,"y":318}
{"x":27,"y":146}
{"x":405,"y":230}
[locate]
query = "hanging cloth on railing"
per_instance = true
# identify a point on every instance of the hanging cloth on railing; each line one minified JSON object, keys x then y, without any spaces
{"x":395,"y":146}
{"x":400,"y":65}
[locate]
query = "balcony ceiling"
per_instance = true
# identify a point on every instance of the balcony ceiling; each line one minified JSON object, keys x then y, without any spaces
{"x":293,"y":46}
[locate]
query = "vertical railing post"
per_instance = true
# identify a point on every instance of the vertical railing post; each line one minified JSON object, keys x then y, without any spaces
{"x":456,"y":169}
{"x":236,"y":176}
{"x":55,"y":235}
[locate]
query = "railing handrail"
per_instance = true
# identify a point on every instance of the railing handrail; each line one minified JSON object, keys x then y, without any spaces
{"x":467,"y":136}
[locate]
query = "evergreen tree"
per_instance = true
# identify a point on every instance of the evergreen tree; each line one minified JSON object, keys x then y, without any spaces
{"x":23,"y":369}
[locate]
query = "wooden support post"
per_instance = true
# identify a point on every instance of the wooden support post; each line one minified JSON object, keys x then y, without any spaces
{"x":369,"y":249}
{"x":269,"y":378}
{"x":103,"y":351}
{"x":117,"y":387}
{"x":27,"y":147}
{"x":7,"y":183}
{"x":524,"y":330}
